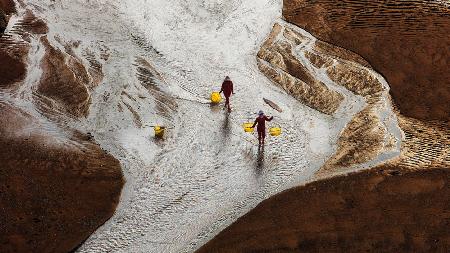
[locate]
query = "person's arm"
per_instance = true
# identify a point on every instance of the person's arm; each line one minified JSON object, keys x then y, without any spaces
{"x":232,"y":87}
{"x":254,"y":124}
{"x":221,"y":89}
{"x":269,"y":119}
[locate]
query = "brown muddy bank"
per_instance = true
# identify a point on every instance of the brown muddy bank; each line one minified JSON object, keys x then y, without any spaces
{"x":57,"y":186}
{"x":406,"y":41}
{"x":6,"y":9}
{"x":54,"y":194}
{"x":7,"y":6}
{"x":11,"y":69}
{"x":381,"y":210}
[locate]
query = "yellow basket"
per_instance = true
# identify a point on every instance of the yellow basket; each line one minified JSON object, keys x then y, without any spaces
{"x":159,"y":131}
{"x":275,"y":131}
{"x":216,"y":97}
{"x":248,"y":127}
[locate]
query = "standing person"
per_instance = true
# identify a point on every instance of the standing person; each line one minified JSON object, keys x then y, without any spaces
{"x":227,"y":88}
{"x":261,"y":121}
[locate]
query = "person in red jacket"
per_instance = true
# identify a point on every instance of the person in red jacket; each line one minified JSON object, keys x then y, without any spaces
{"x":261,"y":122}
{"x":227,"y":89}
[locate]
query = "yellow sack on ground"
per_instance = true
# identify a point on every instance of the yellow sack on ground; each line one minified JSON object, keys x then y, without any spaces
{"x":159,"y":131}
{"x":248,"y":127}
{"x":275,"y":131}
{"x":216,"y":97}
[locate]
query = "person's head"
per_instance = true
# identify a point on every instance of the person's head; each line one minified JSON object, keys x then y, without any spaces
{"x":261,"y":113}
{"x":227,"y":78}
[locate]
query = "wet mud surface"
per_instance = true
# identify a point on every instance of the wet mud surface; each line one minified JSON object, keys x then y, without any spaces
{"x":205,"y":173}
{"x":399,"y":206}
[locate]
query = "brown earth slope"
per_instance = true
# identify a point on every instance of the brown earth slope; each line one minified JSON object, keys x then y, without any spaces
{"x":12,"y":68}
{"x":407,"y":41}
{"x":380,"y":210}
{"x":54,"y":192}
{"x":57,"y":186}
{"x":7,"y":6}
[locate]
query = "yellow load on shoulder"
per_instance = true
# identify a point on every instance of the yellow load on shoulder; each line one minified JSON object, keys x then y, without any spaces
{"x":216,"y":97}
{"x":159,"y":131}
{"x":275,"y":131}
{"x":248,"y":127}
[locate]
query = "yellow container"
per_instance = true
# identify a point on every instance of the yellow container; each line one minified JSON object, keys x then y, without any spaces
{"x":216,"y":97}
{"x":275,"y":131}
{"x":248,"y":127}
{"x":159,"y":131}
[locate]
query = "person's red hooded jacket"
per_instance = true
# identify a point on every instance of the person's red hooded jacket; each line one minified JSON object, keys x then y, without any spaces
{"x":227,"y":87}
{"x":261,"y":121}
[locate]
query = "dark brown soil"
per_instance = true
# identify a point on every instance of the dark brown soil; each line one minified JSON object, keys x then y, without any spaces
{"x":54,"y":194}
{"x":3,"y":21}
{"x":406,"y":41}
{"x":12,"y":70}
{"x":380,"y":210}
{"x":32,"y":24}
{"x":7,"y":6}
{"x":64,"y":81}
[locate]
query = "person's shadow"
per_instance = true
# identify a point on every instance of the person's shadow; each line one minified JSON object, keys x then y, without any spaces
{"x":260,"y":160}
{"x":226,"y":129}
